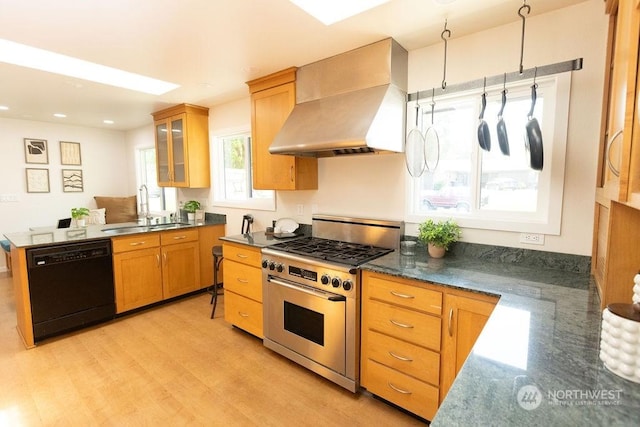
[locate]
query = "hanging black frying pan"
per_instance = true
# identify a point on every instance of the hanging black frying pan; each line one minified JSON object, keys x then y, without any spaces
{"x":503,"y":138}
{"x":533,"y":135}
{"x":484,"y":137}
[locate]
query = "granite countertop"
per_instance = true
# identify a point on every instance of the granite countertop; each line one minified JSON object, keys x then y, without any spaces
{"x":536,"y":361}
{"x":49,"y":236}
{"x":258,"y":239}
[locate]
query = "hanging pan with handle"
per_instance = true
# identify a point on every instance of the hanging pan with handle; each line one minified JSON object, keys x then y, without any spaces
{"x":503,"y":138}
{"x":414,"y":148}
{"x":484,"y":137}
{"x":533,"y":134}
{"x":432,"y":141}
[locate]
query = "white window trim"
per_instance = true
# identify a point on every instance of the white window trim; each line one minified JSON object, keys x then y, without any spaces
{"x":217,"y":189}
{"x":556,"y":120}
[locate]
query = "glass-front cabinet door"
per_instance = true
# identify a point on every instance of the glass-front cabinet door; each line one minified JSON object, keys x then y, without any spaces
{"x":162,"y":153}
{"x":178,"y":145}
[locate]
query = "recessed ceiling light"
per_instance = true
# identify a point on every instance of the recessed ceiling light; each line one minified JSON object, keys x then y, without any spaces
{"x":4,"y":107}
{"x":108,"y":122}
{"x":59,"y":115}
{"x":40,"y":59}
{"x":329,"y":12}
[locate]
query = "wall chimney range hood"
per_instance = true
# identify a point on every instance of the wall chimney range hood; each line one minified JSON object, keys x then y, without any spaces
{"x":351,"y":103}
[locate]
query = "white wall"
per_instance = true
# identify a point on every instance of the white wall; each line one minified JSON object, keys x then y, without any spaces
{"x":104,"y":170}
{"x":374,"y":186}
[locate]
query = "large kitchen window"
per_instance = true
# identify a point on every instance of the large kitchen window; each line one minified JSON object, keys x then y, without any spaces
{"x":161,"y":199}
{"x":232,"y":172}
{"x":487,"y":189}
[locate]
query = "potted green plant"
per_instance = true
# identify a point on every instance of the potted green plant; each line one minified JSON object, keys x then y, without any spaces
{"x":191,"y":207}
{"x":438,"y":235}
{"x":78,"y":214}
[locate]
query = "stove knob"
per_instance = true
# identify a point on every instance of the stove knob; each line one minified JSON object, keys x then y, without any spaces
{"x":272,"y":265}
{"x":347,"y":285}
{"x":265,"y":263}
{"x":325,"y":279}
{"x":279,"y":268}
{"x":336,"y":282}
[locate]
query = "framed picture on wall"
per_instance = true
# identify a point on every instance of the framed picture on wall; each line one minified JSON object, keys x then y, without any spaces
{"x":37,"y":180}
{"x":70,"y":153}
{"x":72,"y":181}
{"x":35,"y":151}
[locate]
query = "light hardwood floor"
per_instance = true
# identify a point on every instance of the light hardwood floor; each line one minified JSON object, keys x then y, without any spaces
{"x":168,"y":366}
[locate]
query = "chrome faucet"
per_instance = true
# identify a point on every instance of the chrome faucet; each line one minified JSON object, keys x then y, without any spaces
{"x":144,"y":203}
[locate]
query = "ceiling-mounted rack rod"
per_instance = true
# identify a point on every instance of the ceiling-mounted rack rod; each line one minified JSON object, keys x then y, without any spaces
{"x":545,"y":70}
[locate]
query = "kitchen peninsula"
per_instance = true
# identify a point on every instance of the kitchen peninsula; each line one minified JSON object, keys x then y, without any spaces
{"x":542,"y":337}
{"x":149,"y":263}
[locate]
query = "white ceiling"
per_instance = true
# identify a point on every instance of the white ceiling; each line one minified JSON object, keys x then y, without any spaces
{"x":209,"y":47}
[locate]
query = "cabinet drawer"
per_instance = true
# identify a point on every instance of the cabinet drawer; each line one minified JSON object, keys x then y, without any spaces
{"x":178,"y":236}
{"x":243,"y":280}
{"x":407,"y":358}
{"x":403,"y":390}
{"x":243,"y":313}
{"x":132,"y":243}
{"x":405,"y":295}
{"x":241,"y":253}
{"x":407,"y":325}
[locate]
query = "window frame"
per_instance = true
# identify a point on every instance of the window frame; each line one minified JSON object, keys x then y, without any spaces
{"x":547,"y":219}
{"x":218,"y":190}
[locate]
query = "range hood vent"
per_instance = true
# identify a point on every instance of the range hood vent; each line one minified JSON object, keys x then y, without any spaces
{"x":352,"y":103}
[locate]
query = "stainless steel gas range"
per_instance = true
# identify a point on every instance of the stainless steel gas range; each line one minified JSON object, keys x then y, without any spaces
{"x":311,"y":293}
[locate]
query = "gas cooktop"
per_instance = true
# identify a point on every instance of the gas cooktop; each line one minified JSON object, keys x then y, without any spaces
{"x":336,"y":251}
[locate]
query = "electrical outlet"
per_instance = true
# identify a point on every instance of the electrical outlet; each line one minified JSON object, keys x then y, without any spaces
{"x":532,"y":238}
{"x":300,"y":209}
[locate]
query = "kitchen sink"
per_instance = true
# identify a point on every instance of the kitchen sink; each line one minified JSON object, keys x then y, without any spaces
{"x":144,"y":228}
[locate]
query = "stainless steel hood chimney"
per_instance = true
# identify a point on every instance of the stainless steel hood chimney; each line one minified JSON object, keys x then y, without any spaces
{"x":350,"y":103}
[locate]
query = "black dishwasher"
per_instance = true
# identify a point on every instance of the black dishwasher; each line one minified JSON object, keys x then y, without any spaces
{"x":70,"y":286}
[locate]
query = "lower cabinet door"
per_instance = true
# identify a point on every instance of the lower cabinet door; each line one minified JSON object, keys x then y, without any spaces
{"x":405,"y":391}
{"x":137,"y":278}
{"x":181,"y":268}
{"x":243,"y":312}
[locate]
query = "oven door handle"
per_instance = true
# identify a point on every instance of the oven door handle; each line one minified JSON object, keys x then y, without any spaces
{"x":320,"y":294}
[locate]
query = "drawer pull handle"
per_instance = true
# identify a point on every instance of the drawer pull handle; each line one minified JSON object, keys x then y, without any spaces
{"x":450,"y":322}
{"x":179,"y":237}
{"x":399,"y":295}
{"x":242,"y":256}
{"x":402,"y":325}
{"x":404,"y":359}
{"x":242,"y":280}
{"x":399,"y":390}
{"x":243,"y":314}
{"x":136,"y":243}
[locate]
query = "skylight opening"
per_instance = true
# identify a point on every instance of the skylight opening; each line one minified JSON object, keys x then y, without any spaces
{"x":40,"y":59}
{"x":331,"y":11}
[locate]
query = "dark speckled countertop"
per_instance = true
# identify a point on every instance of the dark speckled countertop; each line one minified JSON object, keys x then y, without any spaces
{"x":537,"y":360}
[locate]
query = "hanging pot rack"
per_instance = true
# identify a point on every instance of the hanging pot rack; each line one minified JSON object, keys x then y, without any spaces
{"x":516,"y":76}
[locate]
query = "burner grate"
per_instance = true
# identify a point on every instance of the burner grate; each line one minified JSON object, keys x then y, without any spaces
{"x":332,"y":250}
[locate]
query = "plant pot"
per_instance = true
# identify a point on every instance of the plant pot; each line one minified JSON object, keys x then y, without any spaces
{"x":81,"y":222}
{"x":191,"y":216}
{"x":436,"y":251}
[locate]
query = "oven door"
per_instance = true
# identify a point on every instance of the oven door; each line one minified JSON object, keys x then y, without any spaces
{"x":309,"y":321}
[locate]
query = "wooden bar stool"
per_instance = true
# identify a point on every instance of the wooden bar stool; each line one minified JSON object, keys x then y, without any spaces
{"x":216,"y":251}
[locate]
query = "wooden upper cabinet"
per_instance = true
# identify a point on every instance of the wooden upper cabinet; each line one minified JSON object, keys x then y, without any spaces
{"x":272,"y":100}
{"x":182,"y":146}
{"x":619,"y":174}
